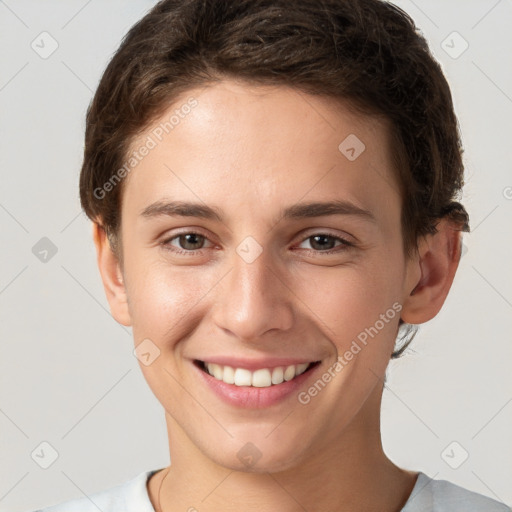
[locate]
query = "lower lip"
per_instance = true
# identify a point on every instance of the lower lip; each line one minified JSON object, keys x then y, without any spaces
{"x":253,"y":397}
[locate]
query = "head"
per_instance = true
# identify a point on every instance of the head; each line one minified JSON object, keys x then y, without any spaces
{"x":257,"y":111}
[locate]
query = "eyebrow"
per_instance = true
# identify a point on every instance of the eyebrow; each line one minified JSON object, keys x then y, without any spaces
{"x":294,"y":212}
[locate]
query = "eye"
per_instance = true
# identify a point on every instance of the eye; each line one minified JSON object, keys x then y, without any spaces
{"x":185,"y":242}
{"x":189,"y":242}
{"x":326,"y":243}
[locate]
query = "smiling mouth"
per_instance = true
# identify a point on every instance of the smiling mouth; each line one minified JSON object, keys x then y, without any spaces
{"x":260,"y":378}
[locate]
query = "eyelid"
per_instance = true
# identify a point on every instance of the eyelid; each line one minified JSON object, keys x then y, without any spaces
{"x":327,"y":232}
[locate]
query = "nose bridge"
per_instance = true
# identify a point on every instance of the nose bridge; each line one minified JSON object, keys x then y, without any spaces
{"x":252,"y":298}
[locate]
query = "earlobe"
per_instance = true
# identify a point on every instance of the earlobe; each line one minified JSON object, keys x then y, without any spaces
{"x":111,"y":276}
{"x":436,"y":262}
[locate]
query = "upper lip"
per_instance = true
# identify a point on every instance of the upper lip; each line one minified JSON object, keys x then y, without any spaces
{"x":255,"y":364}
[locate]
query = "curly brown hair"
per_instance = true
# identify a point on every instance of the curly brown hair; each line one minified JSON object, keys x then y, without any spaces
{"x":367,"y":53}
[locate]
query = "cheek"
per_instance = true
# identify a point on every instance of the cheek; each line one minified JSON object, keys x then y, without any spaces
{"x":348,"y":302}
{"x":163,"y":300}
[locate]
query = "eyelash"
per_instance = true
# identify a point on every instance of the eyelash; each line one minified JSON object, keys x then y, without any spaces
{"x":344,"y":243}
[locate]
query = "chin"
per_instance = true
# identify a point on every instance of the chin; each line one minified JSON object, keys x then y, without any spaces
{"x":273,"y":463}
{"x":258,"y":452}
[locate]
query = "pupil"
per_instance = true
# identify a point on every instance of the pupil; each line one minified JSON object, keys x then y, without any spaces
{"x":324,"y":244}
{"x":187,"y":241}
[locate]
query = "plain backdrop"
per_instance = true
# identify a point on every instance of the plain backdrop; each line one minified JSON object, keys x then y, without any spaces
{"x":68,"y":377}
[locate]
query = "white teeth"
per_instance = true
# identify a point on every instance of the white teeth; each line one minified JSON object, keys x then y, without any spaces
{"x":229,"y":375}
{"x":261,"y":378}
{"x":289,"y":373}
{"x":216,"y":370}
{"x":277,"y":375}
{"x":301,"y":368}
{"x":243,"y":377}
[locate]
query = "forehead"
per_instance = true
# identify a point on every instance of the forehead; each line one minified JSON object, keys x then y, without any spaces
{"x":233,"y":146}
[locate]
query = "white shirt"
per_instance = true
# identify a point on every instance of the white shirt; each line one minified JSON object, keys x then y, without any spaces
{"x":428,"y":495}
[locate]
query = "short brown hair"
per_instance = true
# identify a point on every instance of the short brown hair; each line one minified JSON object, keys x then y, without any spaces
{"x":367,"y":53}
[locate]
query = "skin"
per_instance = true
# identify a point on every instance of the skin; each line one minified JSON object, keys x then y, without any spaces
{"x":250,"y":151}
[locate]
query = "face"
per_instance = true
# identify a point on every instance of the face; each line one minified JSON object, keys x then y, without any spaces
{"x":259,"y":250}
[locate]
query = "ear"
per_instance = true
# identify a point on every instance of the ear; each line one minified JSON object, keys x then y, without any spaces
{"x":111,"y":275}
{"x":430,"y":273}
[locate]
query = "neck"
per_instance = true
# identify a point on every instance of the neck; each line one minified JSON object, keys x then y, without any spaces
{"x":349,"y":471}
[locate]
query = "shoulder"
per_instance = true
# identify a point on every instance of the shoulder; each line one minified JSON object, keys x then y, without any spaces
{"x":131,"y":496}
{"x":431,"y":495}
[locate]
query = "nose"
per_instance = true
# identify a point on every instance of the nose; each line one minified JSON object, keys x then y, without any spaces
{"x":252,"y":300}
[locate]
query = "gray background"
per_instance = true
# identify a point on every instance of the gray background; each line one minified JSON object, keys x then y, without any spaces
{"x":68,"y":376}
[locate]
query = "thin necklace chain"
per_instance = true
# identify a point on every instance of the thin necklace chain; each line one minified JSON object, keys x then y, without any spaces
{"x":160,"y":489}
